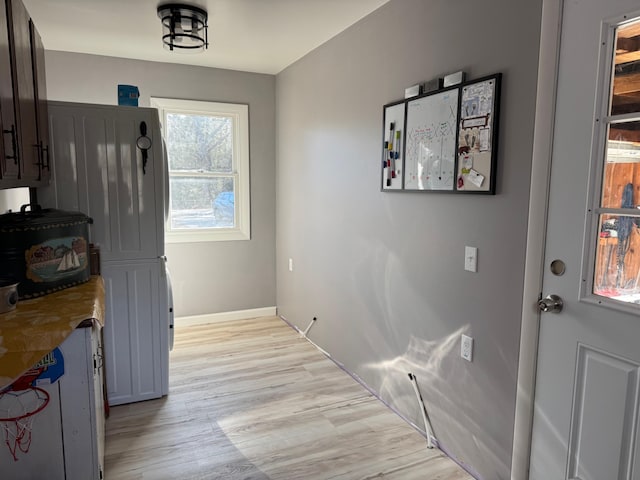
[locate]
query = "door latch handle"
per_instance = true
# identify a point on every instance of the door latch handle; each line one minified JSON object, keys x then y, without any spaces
{"x":550,"y":304}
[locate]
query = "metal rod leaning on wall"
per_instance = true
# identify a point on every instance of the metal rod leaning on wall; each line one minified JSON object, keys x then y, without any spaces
{"x":427,"y":424}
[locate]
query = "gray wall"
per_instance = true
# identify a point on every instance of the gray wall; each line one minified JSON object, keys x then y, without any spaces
{"x":383,"y":272}
{"x":207,"y":277}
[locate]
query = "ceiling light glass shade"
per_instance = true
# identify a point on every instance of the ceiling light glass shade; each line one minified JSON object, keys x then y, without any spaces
{"x":184,"y":27}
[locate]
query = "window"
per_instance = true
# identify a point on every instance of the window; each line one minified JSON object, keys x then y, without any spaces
{"x":208,"y":161}
{"x":616,"y":215}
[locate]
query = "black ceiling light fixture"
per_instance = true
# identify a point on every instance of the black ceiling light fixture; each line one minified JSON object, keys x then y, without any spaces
{"x":184,"y":27}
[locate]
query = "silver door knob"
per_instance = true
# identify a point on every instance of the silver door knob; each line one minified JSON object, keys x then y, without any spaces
{"x":550,"y":304}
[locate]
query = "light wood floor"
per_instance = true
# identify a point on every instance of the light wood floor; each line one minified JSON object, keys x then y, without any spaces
{"x":252,"y":400}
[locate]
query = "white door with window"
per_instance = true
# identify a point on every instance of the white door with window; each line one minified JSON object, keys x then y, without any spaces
{"x":587,"y":399}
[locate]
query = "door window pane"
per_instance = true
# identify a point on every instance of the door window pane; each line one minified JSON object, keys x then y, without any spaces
{"x":621,"y":179}
{"x":617,"y":272}
{"x":626,"y":75}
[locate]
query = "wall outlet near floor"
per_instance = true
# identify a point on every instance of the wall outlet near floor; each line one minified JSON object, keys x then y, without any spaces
{"x":466,"y":348}
{"x":291,"y":264}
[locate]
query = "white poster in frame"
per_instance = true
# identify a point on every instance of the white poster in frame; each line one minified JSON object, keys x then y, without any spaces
{"x":430,"y":150}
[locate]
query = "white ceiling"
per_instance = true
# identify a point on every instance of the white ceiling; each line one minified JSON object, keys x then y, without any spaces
{"x":252,"y":35}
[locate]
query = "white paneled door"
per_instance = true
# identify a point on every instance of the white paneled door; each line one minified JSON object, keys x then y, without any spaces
{"x":586,"y":417}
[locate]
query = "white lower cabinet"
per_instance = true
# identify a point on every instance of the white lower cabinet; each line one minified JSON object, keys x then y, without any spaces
{"x":136,"y":333}
{"x":67,"y":437}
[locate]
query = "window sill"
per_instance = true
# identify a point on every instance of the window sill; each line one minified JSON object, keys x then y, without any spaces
{"x":191,"y":236}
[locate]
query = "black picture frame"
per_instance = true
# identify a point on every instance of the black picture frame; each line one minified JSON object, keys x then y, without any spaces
{"x":392,"y":160}
{"x":448,"y":140}
{"x":477,"y":143}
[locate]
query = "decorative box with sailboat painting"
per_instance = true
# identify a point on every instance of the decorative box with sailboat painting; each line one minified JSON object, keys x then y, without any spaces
{"x":44,"y":250}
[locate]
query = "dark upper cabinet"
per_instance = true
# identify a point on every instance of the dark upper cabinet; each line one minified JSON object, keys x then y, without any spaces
{"x":25,"y":141}
{"x":9,"y":157}
{"x":42,"y":111}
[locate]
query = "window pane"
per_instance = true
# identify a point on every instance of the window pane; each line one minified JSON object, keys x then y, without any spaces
{"x":622,"y":167}
{"x":199,"y":202}
{"x":617,"y":271}
{"x":626,"y":79}
{"x":199,"y":143}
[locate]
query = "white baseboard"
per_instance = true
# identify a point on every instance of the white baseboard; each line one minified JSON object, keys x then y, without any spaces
{"x":225,"y":316}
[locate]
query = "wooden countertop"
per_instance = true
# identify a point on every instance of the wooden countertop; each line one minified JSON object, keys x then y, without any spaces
{"x":39,"y":325}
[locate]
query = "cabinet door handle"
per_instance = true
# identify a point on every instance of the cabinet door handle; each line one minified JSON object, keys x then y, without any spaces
{"x":45,"y":153}
{"x":42,"y":153}
{"x":39,"y":155}
{"x":14,"y":147}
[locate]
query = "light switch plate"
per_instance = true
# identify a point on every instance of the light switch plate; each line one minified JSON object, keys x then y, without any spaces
{"x":466,"y":348}
{"x":471,"y":259}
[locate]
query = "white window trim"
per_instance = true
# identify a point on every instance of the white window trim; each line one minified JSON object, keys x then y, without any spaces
{"x":242,"y":194}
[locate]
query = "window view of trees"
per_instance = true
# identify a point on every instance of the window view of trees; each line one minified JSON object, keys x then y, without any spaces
{"x":199,"y":143}
{"x":201,"y":173}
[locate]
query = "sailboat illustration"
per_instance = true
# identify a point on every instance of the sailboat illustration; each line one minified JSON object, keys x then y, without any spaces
{"x":70,"y":261}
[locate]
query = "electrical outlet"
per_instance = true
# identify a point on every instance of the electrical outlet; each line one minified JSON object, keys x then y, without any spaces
{"x":471,"y":259}
{"x":291,"y":264}
{"x":466,"y":348}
